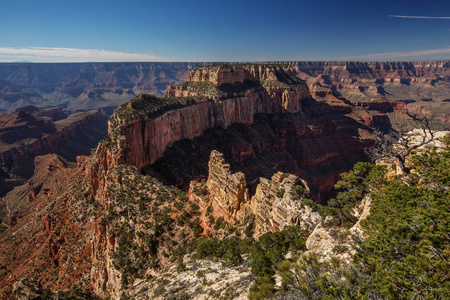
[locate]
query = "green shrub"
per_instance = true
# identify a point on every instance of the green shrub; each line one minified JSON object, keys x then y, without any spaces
{"x":196,"y":226}
{"x":280,"y":193}
{"x":181,"y":266}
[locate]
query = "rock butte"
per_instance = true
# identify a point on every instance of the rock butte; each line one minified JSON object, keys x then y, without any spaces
{"x":152,"y":136}
{"x":274,"y":204}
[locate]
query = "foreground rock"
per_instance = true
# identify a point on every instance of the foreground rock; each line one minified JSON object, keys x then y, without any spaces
{"x":200,"y":279}
{"x":28,"y":289}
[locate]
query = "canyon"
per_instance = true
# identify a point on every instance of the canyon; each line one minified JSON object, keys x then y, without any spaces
{"x":271,"y":126}
{"x":86,"y":86}
{"x":79,"y":87}
{"x":29,"y":132}
{"x":236,"y":150}
{"x":422,"y":86}
{"x":415,"y":81}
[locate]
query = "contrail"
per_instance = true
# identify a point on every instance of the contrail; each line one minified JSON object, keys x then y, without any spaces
{"x":419,"y":17}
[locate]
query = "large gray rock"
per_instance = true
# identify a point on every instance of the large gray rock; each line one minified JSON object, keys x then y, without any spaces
{"x":28,"y":289}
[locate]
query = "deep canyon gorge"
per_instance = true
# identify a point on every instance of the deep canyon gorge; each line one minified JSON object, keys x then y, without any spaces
{"x":227,"y":151}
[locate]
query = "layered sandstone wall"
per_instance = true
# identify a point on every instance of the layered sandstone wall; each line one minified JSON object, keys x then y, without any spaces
{"x":144,"y":139}
{"x":228,"y":190}
{"x":368,"y":70}
{"x":382,"y":105}
{"x":399,"y":81}
{"x":231,"y":74}
{"x":275,"y":205}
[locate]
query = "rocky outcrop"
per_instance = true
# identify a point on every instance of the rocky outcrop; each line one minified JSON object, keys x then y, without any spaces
{"x":361,"y":212}
{"x":98,"y":169}
{"x":28,"y":289}
{"x":228,"y":191}
{"x":329,"y":240}
{"x":106,"y":279}
{"x":228,"y":283}
{"x":276,"y":204}
{"x":409,"y":140}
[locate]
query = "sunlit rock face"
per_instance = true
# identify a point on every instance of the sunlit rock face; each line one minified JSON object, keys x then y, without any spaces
{"x":275,"y":204}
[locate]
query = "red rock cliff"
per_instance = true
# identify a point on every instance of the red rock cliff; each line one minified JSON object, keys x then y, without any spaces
{"x":144,"y":138}
{"x":222,"y":74}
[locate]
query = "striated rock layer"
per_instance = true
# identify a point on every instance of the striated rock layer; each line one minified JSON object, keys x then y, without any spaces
{"x":422,"y":86}
{"x":30,"y":132}
{"x":277,"y":202}
{"x":228,"y":190}
{"x":85,"y":86}
{"x":146,"y":138}
{"x":231,"y":74}
{"x":395,"y":80}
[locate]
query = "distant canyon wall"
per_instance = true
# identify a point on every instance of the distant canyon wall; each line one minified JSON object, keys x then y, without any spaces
{"x":86,"y":86}
{"x":362,"y":81}
{"x":69,"y":139}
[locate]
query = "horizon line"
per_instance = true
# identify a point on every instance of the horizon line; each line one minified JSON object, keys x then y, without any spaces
{"x":233,"y":62}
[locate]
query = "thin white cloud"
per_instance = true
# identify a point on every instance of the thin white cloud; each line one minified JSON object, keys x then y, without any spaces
{"x":418,"y":17}
{"x":48,"y":54}
{"x":397,"y":55}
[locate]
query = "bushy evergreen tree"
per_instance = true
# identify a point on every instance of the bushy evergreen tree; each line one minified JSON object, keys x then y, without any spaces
{"x":407,"y":250}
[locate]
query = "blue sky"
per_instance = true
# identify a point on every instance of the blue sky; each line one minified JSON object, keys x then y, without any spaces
{"x":226,"y":30}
